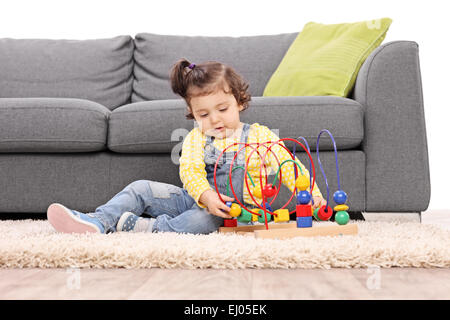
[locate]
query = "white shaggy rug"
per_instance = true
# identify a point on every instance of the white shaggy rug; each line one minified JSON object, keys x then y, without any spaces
{"x":35,"y":244}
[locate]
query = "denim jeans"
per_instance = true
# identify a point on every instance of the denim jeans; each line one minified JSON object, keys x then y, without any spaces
{"x":174,"y":209}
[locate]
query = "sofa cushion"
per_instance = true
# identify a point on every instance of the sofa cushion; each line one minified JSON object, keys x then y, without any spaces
{"x":98,"y":69}
{"x":159,"y":126}
{"x":254,"y":57}
{"x":52,"y":125}
{"x":325,"y":59}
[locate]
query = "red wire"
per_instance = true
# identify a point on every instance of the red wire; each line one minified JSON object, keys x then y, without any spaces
{"x":260,"y":173}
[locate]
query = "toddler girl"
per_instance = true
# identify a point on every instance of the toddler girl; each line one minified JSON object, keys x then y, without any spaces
{"x":215,"y":95}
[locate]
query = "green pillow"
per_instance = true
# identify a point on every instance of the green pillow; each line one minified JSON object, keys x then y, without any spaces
{"x":325,"y":59}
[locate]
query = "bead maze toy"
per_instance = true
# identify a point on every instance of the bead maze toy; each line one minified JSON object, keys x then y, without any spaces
{"x":282,"y":228}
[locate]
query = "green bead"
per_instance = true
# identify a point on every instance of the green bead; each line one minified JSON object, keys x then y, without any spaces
{"x":341,"y":217}
{"x":315,"y":214}
{"x":261,"y":218}
{"x":245,"y":216}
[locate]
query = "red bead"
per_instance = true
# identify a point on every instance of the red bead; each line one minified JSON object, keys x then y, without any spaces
{"x":325,"y":214}
{"x":230,"y":223}
{"x":303,"y":210}
{"x":269,"y":190}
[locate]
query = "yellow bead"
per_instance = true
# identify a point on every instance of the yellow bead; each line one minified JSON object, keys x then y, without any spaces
{"x":302,"y":183}
{"x":257,"y":192}
{"x":341,"y":207}
{"x":254,"y":217}
{"x":282,"y":215}
{"x":235,"y":210}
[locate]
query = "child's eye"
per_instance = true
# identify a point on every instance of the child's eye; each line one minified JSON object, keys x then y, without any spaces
{"x":225,"y":109}
{"x":203,"y":115}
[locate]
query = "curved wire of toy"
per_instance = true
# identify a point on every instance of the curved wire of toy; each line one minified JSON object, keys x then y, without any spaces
{"x":260,"y":172}
{"x":261,"y":186}
{"x":309,"y":150}
{"x":228,"y":181}
{"x":282,"y":145}
{"x":246,"y":182}
{"x":320,"y":163}
{"x":231,"y":166}
{"x":293,"y":152}
{"x":288,"y":160}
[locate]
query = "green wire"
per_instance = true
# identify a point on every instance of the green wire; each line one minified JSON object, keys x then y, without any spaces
{"x":228,"y":181}
{"x":289,"y":160}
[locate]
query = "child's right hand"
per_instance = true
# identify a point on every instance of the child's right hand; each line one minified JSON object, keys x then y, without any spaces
{"x":214,"y":205}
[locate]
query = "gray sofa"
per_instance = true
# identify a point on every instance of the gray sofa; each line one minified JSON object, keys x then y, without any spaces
{"x":80,"y":119}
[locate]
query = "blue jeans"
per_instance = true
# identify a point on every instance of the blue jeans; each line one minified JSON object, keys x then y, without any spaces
{"x":174,"y":209}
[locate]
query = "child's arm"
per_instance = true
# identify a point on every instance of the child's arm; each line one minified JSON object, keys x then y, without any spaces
{"x":192,"y":166}
{"x":193,"y":176}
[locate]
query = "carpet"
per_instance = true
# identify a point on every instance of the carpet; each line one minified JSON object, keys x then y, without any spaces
{"x":35,"y":244}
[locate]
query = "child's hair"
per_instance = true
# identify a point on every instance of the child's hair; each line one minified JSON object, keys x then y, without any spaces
{"x":192,"y":80}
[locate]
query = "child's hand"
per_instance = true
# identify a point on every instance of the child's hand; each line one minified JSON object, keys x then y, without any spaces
{"x":318,"y":202}
{"x":214,"y":205}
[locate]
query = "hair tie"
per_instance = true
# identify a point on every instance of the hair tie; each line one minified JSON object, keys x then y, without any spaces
{"x":191,"y":66}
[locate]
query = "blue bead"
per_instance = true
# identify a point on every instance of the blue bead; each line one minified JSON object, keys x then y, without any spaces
{"x":303,"y":197}
{"x":228,"y":203}
{"x":268,"y":207}
{"x":304,"y":222}
{"x":340,"y":197}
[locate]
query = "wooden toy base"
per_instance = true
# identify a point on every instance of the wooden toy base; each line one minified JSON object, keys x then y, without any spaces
{"x":290,"y":230}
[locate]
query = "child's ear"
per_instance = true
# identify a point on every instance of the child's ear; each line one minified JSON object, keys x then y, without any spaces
{"x":241,"y":107}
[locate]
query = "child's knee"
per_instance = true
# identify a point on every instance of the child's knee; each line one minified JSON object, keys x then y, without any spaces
{"x":163,"y":190}
{"x":139,"y":186}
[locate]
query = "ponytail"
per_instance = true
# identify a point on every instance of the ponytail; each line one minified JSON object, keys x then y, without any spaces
{"x":179,"y":77}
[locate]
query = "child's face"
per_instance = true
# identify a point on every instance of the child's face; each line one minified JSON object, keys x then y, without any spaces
{"x":217,"y":114}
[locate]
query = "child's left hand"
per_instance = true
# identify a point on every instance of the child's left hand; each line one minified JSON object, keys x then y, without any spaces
{"x":318,"y":202}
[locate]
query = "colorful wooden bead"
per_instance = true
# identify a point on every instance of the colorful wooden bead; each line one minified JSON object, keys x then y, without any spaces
{"x":341,"y":217}
{"x":231,"y":223}
{"x":340,"y":197}
{"x":281,"y":215}
{"x":235,"y":210}
{"x":341,"y":207}
{"x":315,"y":212}
{"x":269,"y":190}
{"x":303,"y":197}
{"x":262,"y":219}
{"x":302,"y":183}
{"x":325,"y":213}
{"x":245,"y":216}
{"x":303,"y":210}
{"x":255,"y":217}
{"x":228,"y":203}
{"x":257,"y":192}
{"x":304,"y":222}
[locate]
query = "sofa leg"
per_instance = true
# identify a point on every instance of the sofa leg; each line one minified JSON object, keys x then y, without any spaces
{"x":393,"y":216}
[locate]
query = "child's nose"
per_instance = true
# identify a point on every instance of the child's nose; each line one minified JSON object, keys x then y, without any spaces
{"x":215,"y":118}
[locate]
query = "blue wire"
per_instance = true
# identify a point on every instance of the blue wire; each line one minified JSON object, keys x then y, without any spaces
{"x":320,"y":163}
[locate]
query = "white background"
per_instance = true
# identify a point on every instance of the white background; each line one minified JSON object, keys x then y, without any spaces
{"x":425,"y":22}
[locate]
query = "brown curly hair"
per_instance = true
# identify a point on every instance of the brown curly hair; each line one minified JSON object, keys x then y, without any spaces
{"x":189,"y":80}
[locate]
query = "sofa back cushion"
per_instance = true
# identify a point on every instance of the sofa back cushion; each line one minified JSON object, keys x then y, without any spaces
{"x":253,"y":57}
{"x":99,"y":70}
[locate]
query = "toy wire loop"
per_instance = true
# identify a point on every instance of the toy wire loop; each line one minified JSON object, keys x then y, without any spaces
{"x":320,"y":163}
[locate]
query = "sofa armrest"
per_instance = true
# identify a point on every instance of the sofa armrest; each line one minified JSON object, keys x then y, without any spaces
{"x":389,"y":87}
